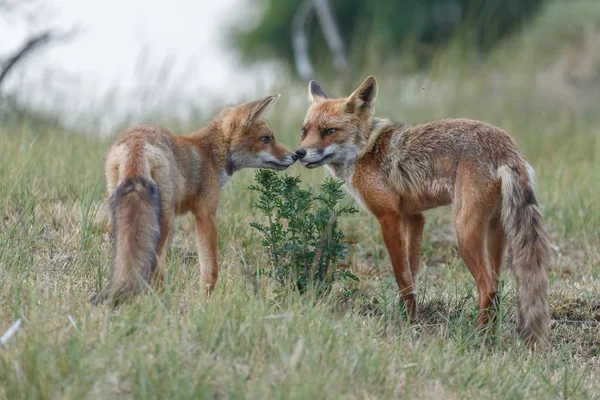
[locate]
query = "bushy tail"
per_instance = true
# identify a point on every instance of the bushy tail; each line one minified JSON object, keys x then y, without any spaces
{"x":529,"y":247}
{"x":136,"y":213}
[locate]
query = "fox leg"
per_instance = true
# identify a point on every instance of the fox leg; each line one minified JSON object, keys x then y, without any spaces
{"x":167,"y":224}
{"x":206,"y":240}
{"x":414,"y":235}
{"x":496,"y":243}
{"x":391,"y":229}
{"x":470,"y":228}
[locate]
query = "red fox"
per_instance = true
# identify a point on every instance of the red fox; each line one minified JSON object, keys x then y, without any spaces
{"x":152,"y":175}
{"x":398,"y":171}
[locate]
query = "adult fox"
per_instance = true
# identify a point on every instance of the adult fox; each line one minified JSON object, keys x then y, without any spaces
{"x":398,"y":171}
{"x":152,"y":175}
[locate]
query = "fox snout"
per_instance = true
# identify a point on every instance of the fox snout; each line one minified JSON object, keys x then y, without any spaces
{"x":313,"y":158}
{"x":289,"y":159}
{"x":278,"y":163}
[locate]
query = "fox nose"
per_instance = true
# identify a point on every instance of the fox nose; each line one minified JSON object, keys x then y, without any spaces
{"x":294,"y":157}
{"x":301,"y":152}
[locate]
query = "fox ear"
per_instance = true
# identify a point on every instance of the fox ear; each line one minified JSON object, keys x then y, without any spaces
{"x":315,"y":93}
{"x":363,"y":98}
{"x":259,"y":107}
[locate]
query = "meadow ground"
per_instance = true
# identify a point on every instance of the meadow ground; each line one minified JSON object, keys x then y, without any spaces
{"x":246,"y":343}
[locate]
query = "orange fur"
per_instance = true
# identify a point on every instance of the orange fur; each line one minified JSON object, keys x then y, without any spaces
{"x":398,"y":171}
{"x":154,"y":175}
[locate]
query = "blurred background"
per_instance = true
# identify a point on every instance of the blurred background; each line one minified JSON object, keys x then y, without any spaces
{"x":118,"y":63}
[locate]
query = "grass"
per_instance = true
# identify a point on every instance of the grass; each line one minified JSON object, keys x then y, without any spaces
{"x":55,"y":252}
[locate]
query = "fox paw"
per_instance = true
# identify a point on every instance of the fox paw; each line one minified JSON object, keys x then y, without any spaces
{"x":99,"y":298}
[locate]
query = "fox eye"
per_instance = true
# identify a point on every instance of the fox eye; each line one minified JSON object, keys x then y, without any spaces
{"x":266,"y":139}
{"x":329,"y":131}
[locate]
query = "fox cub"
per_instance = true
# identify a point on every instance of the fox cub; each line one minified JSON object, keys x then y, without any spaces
{"x":153,"y":175}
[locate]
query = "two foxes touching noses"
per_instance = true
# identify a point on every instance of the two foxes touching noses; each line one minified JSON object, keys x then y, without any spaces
{"x":395,"y":171}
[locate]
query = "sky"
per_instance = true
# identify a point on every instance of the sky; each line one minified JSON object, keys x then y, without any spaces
{"x":132,"y":57}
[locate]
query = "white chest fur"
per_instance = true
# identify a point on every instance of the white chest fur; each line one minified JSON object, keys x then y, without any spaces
{"x":355,"y":193}
{"x":346,"y":173}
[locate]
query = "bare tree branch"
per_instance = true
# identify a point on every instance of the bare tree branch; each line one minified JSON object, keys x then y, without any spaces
{"x":34,"y":42}
{"x":29,"y":46}
{"x":300,"y":41}
{"x":332,"y":34}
